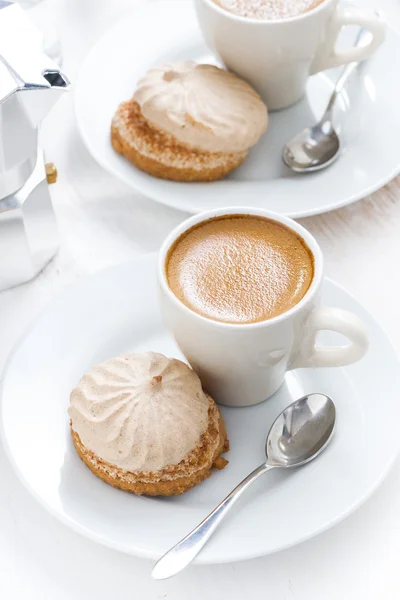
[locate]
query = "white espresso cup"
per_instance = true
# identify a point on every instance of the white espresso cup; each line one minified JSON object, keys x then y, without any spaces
{"x":244,"y":364}
{"x":277,"y":56}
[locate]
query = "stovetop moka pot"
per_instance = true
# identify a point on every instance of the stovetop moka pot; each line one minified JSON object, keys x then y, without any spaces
{"x":30,"y":85}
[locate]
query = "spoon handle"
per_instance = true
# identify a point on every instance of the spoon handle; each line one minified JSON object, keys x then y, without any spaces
{"x":182,"y":554}
{"x":362,"y":35}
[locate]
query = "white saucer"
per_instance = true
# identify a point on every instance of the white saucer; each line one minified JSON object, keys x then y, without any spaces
{"x":167,"y":31}
{"x":116,"y":311}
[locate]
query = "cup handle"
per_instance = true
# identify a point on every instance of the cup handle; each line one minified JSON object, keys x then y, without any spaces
{"x":341,"y":321}
{"x":328,"y":57}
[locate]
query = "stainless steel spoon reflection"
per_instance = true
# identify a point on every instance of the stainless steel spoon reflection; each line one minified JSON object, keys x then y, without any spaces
{"x":297,"y":436}
{"x":318,"y":146}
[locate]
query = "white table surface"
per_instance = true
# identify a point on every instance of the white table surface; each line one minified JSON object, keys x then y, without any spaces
{"x":102,"y":222}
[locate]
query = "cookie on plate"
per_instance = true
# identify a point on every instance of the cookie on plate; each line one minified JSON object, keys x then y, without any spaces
{"x":142,"y":423}
{"x":189,"y":122}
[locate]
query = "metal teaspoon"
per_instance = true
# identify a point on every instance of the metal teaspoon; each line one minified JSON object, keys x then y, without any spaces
{"x":317,"y":147}
{"x":297,"y":436}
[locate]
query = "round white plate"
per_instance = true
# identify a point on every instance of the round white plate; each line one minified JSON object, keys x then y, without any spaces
{"x":367,"y":119}
{"x":116,"y":311}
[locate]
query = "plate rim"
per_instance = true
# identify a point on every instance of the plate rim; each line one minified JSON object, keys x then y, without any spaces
{"x":140,"y":552}
{"x":169,"y":201}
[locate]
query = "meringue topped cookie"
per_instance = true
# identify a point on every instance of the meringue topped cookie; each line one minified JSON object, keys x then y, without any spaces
{"x":143,"y":423}
{"x":202,"y":106}
{"x":189,"y":122}
{"x":140,"y":412}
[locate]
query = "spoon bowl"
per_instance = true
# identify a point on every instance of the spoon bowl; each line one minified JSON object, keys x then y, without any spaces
{"x":301,"y":431}
{"x":312,"y":149}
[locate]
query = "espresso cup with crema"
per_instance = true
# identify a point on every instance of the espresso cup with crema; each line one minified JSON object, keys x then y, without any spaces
{"x":276,"y":56}
{"x":241,"y":293}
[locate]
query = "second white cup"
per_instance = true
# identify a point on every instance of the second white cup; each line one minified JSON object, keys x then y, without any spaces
{"x":277,"y":56}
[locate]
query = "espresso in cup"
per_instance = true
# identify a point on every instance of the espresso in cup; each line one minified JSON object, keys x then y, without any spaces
{"x":268,"y":9}
{"x":239,"y":268}
{"x":240,"y":290}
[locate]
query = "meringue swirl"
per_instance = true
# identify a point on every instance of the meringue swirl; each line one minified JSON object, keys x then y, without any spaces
{"x":202,"y":106}
{"x":140,"y":412}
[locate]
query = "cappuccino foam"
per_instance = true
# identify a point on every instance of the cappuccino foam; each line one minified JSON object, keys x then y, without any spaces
{"x":266,"y":10}
{"x":239,"y":268}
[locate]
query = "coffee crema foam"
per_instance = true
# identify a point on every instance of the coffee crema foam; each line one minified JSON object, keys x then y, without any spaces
{"x":266,"y":10}
{"x":239,"y":268}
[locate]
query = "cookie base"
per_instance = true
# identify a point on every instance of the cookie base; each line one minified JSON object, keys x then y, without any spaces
{"x":161,"y":155}
{"x":161,"y":485}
